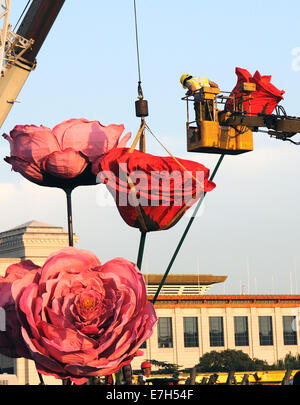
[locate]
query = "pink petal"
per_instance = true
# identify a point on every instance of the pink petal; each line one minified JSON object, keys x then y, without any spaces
{"x":124,"y":140}
{"x":32,"y":143}
{"x":14,"y":272}
{"x":89,"y":137}
{"x":28,"y":170}
{"x":66,"y":164}
{"x":25,"y":305}
{"x":96,"y":164}
{"x":128,"y":274}
{"x":70,"y":260}
{"x":18,"y":270}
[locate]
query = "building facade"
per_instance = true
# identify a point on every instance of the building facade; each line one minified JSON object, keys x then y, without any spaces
{"x":264,"y":327}
{"x":34,"y":241}
{"x":190,"y":321}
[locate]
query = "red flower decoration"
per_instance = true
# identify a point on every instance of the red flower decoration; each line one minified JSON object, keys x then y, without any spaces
{"x":62,"y":157}
{"x":265,"y":98}
{"x":151,"y":192}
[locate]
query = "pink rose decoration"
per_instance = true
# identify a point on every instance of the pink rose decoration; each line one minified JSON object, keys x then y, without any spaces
{"x":62,"y":156}
{"x":11,"y":341}
{"x":80,"y":318}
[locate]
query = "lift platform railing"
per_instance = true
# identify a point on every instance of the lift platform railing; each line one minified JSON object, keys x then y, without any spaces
{"x":279,"y":125}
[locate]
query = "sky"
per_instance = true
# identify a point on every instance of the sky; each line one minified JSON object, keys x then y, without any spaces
{"x":248,"y":227}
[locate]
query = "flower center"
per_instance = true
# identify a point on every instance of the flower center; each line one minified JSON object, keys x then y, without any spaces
{"x":88,"y":303}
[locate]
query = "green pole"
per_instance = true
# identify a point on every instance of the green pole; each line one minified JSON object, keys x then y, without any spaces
{"x":68,"y":192}
{"x":185,"y":233}
{"x":141,"y":249}
{"x":41,"y":379}
{"x":69,"y":216}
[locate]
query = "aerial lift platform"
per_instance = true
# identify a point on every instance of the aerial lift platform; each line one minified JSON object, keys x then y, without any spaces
{"x":231,"y":132}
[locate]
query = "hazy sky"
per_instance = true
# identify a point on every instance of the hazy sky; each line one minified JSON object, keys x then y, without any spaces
{"x":249,"y":225}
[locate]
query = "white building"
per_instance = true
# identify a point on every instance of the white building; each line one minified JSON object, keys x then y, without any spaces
{"x":265,"y":327}
{"x":191,"y":322}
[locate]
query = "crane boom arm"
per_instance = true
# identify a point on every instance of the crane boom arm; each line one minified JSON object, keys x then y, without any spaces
{"x":35,"y":26}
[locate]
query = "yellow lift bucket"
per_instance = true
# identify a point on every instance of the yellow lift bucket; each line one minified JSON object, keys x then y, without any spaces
{"x":207,"y":135}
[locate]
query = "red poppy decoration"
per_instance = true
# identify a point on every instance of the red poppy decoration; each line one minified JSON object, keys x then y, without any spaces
{"x":151,"y":192}
{"x":265,"y":98}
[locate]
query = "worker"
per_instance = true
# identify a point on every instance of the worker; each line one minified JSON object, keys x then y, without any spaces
{"x":194,"y":84}
{"x":110,"y":379}
{"x":146,"y":374}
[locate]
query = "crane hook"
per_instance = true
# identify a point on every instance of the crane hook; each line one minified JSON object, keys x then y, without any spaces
{"x":141,"y":105}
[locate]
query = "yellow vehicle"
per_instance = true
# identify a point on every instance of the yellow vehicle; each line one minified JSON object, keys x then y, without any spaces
{"x":266,"y":377}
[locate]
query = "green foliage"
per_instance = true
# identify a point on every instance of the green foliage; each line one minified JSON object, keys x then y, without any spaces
{"x":289,"y":362}
{"x":164,"y":367}
{"x":229,"y":360}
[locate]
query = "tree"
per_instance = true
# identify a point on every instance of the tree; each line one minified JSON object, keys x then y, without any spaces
{"x":164,"y":367}
{"x":289,"y":362}
{"x":229,"y":360}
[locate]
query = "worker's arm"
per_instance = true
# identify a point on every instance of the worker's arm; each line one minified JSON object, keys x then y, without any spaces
{"x":191,"y":88}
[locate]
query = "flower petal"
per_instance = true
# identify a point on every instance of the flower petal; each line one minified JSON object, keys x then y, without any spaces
{"x":32,"y":143}
{"x":78,"y":318}
{"x":89,"y":137}
{"x":67,"y":164}
{"x":29,"y":170}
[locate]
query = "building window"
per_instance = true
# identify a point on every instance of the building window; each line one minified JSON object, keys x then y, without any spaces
{"x":7,"y":364}
{"x":241,"y":334}
{"x":216,"y":331}
{"x":165,"y":337}
{"x":190,"y":328}
{"x":265,"y":331}
{"x":289,"y":330}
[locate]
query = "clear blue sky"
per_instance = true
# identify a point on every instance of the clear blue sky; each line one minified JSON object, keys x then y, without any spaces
{"x":87,"y":67}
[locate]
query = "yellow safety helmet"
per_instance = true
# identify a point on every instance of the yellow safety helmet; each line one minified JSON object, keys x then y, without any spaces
{"x":182,"y":79}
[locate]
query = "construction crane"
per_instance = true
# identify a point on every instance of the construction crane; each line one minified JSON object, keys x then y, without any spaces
{"x":231,"y":132}
{"x":18,"y":50}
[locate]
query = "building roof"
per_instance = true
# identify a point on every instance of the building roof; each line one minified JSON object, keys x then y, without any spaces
{"x":33,"y":224}
{"x":187,"y":279}
{"x":181,"y":284}
{"x":33,"y":240}
{"x":217,"y":301}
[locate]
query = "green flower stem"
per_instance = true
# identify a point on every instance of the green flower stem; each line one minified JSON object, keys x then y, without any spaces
{"x":141,"y":249}
{"x":41,"y":379}
{"x":71,"y":241}
{"x":69,"y":213}
{"x":185,"y":233}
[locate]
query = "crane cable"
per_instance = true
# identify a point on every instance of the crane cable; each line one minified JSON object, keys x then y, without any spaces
{"x":140,"y":91}
{"x":21,"y":15}
{"x":173,"y":157}
{"x":140,"y":96}
{"x":141,"y":131}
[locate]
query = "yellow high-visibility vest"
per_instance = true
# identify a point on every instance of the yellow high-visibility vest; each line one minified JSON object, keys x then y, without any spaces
{"x":197,"y":82}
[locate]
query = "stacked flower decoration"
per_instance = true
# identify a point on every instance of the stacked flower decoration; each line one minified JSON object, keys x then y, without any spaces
{"x":74,"y":317}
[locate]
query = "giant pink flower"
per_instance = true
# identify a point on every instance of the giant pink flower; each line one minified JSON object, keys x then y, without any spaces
{"x":11,"y":341}
{"x":80,"y":318}
{"x":62,"y":156}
